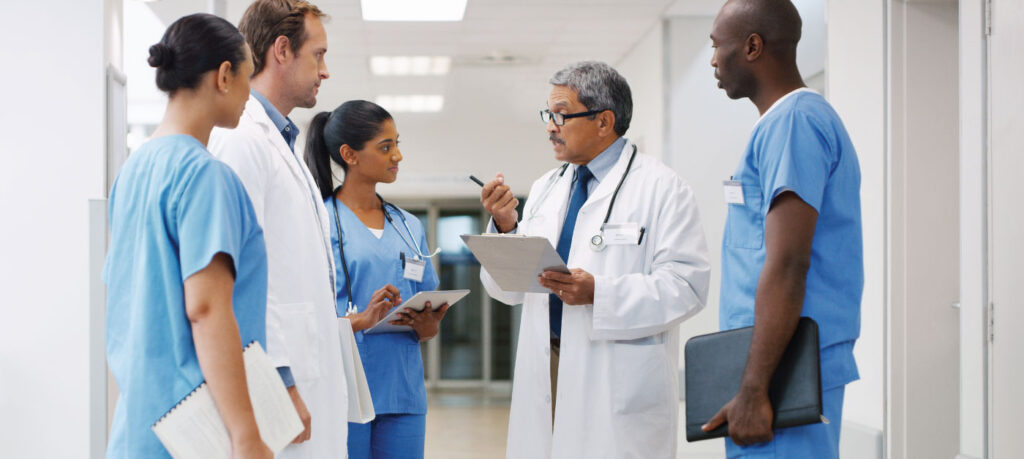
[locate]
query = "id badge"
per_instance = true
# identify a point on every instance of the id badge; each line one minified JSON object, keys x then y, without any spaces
{"x":621,"y":233}
{"x":733,"y":192}
{"x":414,"y":269}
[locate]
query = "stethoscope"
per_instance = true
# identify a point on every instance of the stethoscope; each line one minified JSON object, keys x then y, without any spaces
{"x":597,"y":243}
{"x":352,"y":309}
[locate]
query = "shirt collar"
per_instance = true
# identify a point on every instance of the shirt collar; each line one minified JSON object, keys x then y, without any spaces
{"x":783,"y":99}
{"x":284,"y":125}
{"x":603,"y":163}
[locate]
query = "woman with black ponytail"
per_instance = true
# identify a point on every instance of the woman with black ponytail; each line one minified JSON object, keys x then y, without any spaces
{"x":186,"y":273}
{"x":381,"y":256}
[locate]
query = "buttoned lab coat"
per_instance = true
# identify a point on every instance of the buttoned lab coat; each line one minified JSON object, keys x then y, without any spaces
{"x":302,"y":324}
{"x":618,"y":366}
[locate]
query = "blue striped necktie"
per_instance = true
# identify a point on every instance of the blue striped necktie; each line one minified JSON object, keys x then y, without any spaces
{"x":579,"y":196}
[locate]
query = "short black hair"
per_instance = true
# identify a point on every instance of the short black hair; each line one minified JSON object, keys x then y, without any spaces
{"x":353,"y":123}
{"x":776,"y":21}
{"x":192,"y":46}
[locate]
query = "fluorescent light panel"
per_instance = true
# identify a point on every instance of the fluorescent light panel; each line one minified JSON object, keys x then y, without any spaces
{"x":410,"y":65}
{"x":431,"y":103}
{"x":413,"y":10}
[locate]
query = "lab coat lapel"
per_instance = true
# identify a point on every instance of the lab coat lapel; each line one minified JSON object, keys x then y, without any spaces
{"x":553,"y":209}
{"x":303,"y":178}
{"x":607,"y":186}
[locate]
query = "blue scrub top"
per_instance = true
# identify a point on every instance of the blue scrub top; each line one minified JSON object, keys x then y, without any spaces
{"x":173,"y":207}
{"x":392,"y":361}
{"x":800,"y":145}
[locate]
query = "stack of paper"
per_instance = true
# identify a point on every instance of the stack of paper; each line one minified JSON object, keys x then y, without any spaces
{"x":194,"y":429}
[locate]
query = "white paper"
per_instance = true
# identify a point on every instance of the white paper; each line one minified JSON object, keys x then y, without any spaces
{"x":417,"y":303}
{"x":515,"y":261}
{"x":194,"y":429}
{"x":360,"y":405}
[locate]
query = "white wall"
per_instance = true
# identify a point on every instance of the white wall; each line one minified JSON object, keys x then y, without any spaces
{"x":707,"y":133}
{"x":643,"y":67}
{"x":973,"y":230}
{"x":1007,"y":225}
{"x":54,"y":162}
{"x":856,"y":89}
{"x":924,"y":230}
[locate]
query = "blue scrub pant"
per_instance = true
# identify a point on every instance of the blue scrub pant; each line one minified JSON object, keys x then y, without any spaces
{"x":388,"y":436}
{"x":818,"y":441}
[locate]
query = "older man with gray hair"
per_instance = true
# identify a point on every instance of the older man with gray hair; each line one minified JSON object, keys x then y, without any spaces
{"x":596,"y":367}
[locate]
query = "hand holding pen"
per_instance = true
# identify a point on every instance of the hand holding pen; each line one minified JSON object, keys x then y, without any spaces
{"x":498,"y":200}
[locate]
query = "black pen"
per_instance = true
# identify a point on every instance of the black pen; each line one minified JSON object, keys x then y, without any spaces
{"x":478,"y":182}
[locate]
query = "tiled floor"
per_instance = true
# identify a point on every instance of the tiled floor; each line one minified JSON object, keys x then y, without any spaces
{"x":472,"y":423}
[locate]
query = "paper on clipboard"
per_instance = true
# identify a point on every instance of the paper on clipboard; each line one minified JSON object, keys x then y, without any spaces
{"x":515,"y":261}
{"x":416,"y":303}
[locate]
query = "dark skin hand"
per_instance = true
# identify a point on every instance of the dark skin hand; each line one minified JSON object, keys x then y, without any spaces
{"x":425,"y":323}
{"x":789,"y":231}
{"x":575,"y":288}
{"x":381,"y":302}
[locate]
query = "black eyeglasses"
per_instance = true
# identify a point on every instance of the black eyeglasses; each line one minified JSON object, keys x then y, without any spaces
{"x":559,"y":118}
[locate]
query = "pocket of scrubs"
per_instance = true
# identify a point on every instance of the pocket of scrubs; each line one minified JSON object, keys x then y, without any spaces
{"x":639,"y":377}
{"x":745,"y":228}
{"x":298,"y":324}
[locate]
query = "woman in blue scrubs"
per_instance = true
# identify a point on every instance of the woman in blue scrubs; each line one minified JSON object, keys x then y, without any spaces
{"x":186,"y":272}
{"x":382,"y":259}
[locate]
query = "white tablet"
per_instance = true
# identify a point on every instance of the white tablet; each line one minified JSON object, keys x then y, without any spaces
{"x":437,"y":298}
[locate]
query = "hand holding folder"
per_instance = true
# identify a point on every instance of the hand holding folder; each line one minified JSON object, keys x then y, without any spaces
{"x":714,"y":368}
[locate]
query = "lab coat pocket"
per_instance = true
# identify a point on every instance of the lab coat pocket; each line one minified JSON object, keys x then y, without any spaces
{"x":745,"y":224}
{"x":302,"y":338}
{"x":640,"y":381}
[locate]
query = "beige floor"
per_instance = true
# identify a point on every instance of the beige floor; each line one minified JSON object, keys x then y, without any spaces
{"x":472,"y":423}
{"x":466,"y":424}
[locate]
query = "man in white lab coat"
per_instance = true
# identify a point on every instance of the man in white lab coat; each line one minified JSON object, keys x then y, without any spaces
{"x":600,"y":353}
{"x":288,"y":43}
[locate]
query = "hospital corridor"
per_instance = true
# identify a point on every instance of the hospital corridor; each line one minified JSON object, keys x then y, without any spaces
{"x":522,"y":229}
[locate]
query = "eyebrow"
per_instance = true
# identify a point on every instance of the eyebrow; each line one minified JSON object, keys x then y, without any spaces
{"x":385,"y":141}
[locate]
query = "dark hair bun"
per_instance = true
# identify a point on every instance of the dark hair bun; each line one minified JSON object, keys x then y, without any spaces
{"x":193,"y":45}
{"x":160,"y":56}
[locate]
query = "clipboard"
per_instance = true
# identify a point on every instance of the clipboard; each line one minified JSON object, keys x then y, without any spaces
{"x":514,"y":261}
{"x":416,"y":303}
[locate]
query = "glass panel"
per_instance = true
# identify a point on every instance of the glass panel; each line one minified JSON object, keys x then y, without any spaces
{"x":461,"y":332}
{"x":501,"y":341}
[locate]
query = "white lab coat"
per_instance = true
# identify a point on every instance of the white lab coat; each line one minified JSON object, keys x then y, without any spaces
{"x":302,"y":320}
{"x":618,"y":372}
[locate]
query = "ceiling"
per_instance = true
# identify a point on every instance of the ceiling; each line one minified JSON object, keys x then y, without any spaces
{"x":540,"y":36}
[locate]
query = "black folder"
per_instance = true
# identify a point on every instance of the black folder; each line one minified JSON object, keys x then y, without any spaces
{"x":715,"y":365}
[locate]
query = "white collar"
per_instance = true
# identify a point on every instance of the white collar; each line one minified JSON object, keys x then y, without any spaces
{"x":781,"y":99}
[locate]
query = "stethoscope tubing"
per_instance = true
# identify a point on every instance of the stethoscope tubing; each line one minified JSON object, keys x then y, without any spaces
{"x":597,"y":241}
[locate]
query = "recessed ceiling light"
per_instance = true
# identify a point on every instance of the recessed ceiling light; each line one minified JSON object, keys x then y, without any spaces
{"x":410,"y":65}
{"x":413,"y":10}
{"x":432,"y":103}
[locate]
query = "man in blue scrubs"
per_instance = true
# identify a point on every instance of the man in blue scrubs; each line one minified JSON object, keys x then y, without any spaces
{"x":792,"y":244}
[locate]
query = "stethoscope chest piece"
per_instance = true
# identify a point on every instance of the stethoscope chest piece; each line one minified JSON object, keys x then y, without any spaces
{"x":597,"y":243}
